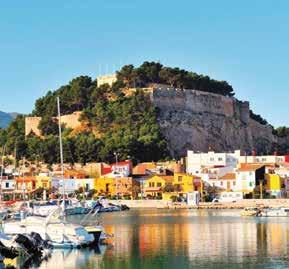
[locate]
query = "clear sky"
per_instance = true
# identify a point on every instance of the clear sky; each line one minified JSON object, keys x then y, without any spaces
{"x":44,"y":44}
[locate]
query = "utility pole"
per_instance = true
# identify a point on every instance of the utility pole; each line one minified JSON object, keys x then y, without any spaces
{"x":202,"y":190}
{"x":261,"y":189}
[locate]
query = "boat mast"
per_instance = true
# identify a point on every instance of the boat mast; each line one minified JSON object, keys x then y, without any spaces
{"x":61,"y":151}
{"x":1,"y":173}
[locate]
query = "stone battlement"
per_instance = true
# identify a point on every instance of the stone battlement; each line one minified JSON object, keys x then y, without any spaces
{"x":200,"y":102}
{"x":106,"y":79}
{"x":70,"y":121}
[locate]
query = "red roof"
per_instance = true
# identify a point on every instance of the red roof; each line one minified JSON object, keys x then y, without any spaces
{"x":25,"y":179}
{"x":229,"y":176}
{"x":106,"y":170}
{"x":122,"y":163}
{"x":249,"y":167}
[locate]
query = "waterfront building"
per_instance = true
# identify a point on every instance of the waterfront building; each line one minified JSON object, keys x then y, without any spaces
{"x":196,"y":161}
{"x":227,"y":182}
{"x":43,"y":181}
{"x":154,"y":186}
{"x":122,"y":169}
{"x":186,"y":183}
{"x":249,"y":176}
{"x":274,"y":185}
{"x":144,"y":168}
{"x":7,"y":185}
{"x":117,"y":170}
{"x":25,"y":183}
{"x":73,"y":184}
{"x":124,"y":186}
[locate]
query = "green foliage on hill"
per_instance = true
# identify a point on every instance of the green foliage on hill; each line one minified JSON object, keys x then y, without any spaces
{"x":114,"y":123}
{"x":258,"y":118}
{"x":282,"y":131}
{"x":151,"y":72}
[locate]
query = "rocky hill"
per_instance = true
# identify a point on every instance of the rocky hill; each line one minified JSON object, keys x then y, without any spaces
{"x":151,"y":112}
{"x":201,"y":121}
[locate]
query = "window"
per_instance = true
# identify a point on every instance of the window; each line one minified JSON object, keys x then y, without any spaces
{"x":159,"y":184}
{"x":251,"y":184}
{"x":220,"y":159}
{"x":153,"y":184}
{"x":180,"y":178}
{"x":221,"y":183}
{"x":212,"y":159}
{"x":234,"y":183}
{"x":7,"y":185}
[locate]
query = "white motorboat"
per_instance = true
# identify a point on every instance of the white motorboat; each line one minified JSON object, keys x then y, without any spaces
{"x":72,"y":207}
{"x":275,"y":212}
{"x":59,"y":233}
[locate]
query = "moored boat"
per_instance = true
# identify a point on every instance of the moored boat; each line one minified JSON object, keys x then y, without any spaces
{"x":250,"y":212}
{"x":275,"y":212}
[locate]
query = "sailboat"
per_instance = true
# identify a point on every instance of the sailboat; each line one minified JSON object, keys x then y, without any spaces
{"x":60,"y":234}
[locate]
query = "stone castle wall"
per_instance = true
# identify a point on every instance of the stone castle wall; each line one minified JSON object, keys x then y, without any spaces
{"x":70,"y":121}
{"x":31,"y":125}
{"x":201,"y":121}
{"x":106,"y":79}
{"x":200,"y":102}
{"x":195,"y":120}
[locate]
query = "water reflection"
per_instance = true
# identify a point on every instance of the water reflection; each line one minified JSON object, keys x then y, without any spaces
{"x":183,"y":239}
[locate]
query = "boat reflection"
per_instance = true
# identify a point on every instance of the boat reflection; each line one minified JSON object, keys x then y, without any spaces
{"x":63,"y":258}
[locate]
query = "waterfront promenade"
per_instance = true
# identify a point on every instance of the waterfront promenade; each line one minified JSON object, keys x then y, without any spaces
{"x":205,"y":205}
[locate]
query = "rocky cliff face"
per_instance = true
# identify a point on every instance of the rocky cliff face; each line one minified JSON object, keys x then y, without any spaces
{"x":199,"y":121}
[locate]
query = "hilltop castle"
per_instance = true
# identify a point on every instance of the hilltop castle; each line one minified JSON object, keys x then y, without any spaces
{"x":70,"y":121}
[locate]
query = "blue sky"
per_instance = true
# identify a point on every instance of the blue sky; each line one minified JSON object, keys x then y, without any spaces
{"x":44,"y":44}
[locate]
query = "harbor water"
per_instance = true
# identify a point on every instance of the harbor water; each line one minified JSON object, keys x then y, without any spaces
{"x":159,"y":238}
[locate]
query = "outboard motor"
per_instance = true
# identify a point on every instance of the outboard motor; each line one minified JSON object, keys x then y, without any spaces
{"x":28,"y":244}
{"x":38,"y":239}
{"x":9,"y":253}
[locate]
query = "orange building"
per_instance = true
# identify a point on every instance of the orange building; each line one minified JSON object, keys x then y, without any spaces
{"x":27,"y":184}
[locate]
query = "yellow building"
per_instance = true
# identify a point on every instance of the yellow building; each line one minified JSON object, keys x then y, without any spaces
{"x":154,"y":185}
{"x":112,"y":186}
{"x":185,"y":182}
{"x":273,"y":182}
{"x":43,"y":182}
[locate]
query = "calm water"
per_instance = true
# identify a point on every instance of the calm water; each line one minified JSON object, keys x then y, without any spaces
{"x":183,"y":239}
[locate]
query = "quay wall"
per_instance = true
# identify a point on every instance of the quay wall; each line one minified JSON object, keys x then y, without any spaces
{"x":240,"y":204}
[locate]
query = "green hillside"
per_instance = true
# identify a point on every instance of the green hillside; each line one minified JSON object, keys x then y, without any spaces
{"x":114,"y":122}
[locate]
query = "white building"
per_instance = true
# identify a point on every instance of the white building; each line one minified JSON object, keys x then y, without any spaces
{"x":196,"y":161}
{"x":122,"y":169}
{"x":8,"y":185}
{"x":228,"y":182}
{"x":73,"y":184}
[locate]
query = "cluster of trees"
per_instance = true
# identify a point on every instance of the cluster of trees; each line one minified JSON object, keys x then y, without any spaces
{"x":282,"y":131}
{"x":152,"y":72}
{"x":114,"y":123}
